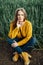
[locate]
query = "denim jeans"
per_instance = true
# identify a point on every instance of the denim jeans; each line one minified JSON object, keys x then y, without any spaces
{"x":30,"y":44}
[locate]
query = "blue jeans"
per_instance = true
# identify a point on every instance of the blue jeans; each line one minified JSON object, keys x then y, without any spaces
{"x":30,"y":44}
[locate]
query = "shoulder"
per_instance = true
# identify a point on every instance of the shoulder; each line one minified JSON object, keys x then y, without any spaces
{"x":12,"y":23}
{"x":28,"y":23}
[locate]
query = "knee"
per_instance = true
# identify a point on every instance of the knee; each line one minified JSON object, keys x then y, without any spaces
{"x":9,"y":40}
{"x":34,"y":40}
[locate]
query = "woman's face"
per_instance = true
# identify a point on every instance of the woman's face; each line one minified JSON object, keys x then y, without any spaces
{"x":20,"y":16}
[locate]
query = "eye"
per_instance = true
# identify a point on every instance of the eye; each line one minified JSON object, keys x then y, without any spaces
{"x":22,"y":14}
{"x":18,"y":14}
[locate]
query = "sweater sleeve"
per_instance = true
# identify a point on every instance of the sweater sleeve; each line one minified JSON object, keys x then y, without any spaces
{"x":13,"y":31}
{"x":28,"y":36}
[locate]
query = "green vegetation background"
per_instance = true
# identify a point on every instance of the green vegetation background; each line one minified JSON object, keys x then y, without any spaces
{"x":34,"y":9}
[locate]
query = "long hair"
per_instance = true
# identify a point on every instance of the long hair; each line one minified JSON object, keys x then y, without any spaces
{"x":16,"y":14}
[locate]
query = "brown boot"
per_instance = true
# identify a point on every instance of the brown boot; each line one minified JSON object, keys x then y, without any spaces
{"x":25,"y":58}
{"x":15,"y":57}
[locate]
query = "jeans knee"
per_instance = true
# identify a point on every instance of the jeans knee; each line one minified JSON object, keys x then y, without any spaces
{"x":9,"y":40}
{"x":34,"y":40}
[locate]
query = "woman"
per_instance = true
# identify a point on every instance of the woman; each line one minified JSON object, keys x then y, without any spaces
{"x":20,"y":35}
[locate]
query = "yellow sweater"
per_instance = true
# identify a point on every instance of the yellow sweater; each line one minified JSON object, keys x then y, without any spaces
{"x":26,"y":31}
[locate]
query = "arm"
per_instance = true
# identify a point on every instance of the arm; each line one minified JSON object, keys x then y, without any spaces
{"x":13,"y":31}
{"x":29,"y":35}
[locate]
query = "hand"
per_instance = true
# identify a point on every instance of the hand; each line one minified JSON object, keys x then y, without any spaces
{"x":15,"y":44}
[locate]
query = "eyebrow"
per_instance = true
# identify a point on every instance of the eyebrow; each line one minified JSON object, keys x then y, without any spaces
{"x":20,"y":13}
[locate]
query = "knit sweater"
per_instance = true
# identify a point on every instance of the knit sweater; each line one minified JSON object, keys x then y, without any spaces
{"x":25,"y":32}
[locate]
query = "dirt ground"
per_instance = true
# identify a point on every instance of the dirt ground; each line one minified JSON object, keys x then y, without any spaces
{"x":6,"y":54}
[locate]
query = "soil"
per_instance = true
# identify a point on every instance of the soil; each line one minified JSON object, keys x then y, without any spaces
{"x":6,"y":54}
